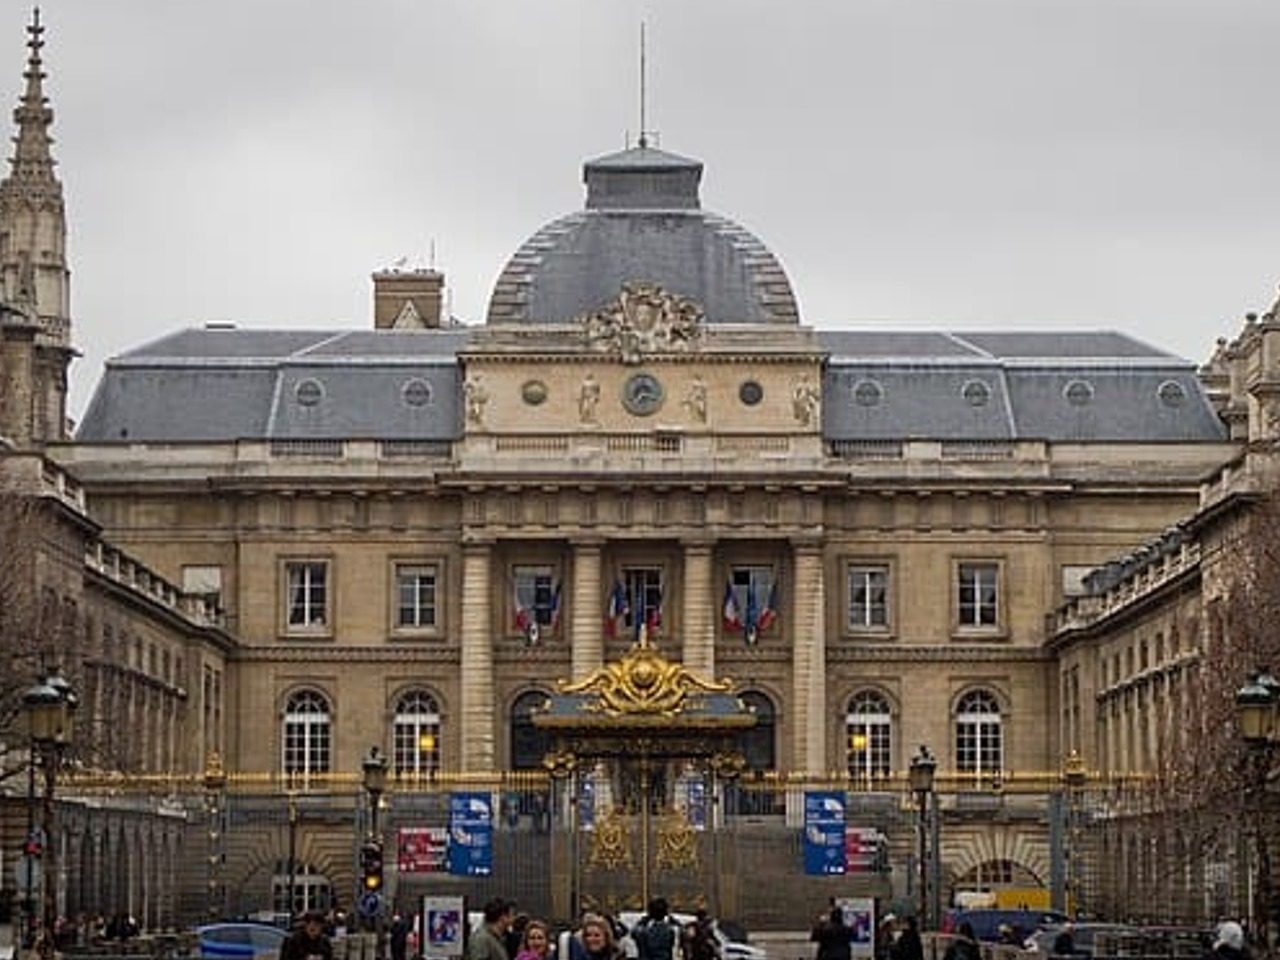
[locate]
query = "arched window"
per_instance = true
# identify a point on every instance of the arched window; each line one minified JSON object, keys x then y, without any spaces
{"x":307,"y":733}
{"x":978,"y":740}
{"x":757,"y":742}
{"x":311,"y":889}
{"x":868,"y":726}
{"x":529,"y":745}
{"x":416,"y":734}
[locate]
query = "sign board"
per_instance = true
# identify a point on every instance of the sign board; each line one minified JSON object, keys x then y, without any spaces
{"x":860,"y":917}
{"x":824,"y":833}
{"x":422,"y":849}
{"x":861,"y":847}
{"x":442,"y":921}
{"x":471,"y":834}
{"x":369,"y":904}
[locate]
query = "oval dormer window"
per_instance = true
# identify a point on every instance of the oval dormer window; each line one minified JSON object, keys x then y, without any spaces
{"x":416,"y":392}
{"x":1078,"y":392}
{"x":308,"y":392}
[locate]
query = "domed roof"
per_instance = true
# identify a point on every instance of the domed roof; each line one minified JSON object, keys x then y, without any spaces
{"x":642,"y":221}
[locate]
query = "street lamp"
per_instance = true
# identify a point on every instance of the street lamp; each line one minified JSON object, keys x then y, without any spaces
{"x":215,"y":782}
{"x":923,"y":767}
{"x":374,"y":768}
{"x":1257,"y":706}
{"x":49,"y":706}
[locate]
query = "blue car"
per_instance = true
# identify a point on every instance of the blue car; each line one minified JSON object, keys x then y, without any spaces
{"x":241,"y":941}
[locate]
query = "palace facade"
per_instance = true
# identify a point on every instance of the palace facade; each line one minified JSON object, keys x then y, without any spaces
{"x":403,"y":535}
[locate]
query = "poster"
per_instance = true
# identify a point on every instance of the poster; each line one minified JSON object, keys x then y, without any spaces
{"x":441,"y":920}
{"x":860,"y":917}
{"x":470,"y":834}
{"x":422,"y":849}
{"x":824,"y":854}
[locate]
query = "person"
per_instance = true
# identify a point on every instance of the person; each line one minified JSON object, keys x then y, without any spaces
{"x":909,"y":945}
{"x":400,"y":927}
{"x":1064,"y":944}
{"x":833,"y":937}
{"x":597,"y":939}
{"x":964,"y":946}
{"x":488,"y":942}
{"x":308,"y":942}
{"x":1008,"y":935}
{"x":514,"y":939}
{"x":656,"y":935}
{"x":536,"y":944}
{"x":1228,"y":942}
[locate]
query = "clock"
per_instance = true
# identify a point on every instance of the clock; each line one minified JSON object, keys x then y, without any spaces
{"x":642,"y":394}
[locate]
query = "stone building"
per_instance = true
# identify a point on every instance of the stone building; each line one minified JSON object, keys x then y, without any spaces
{"x":410,"y":531}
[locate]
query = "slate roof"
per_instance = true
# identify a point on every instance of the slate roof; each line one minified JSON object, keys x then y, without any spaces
{"x":226,"y":384}
{"x":231,"y":384}
{"x":1096,"y":386}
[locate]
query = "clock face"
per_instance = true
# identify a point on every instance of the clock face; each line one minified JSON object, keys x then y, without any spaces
{"x":642,"y":394}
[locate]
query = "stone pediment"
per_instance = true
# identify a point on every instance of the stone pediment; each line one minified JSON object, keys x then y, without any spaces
{"x":643,"y":321}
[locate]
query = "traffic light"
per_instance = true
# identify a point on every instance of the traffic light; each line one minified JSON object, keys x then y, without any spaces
{"x":33,"y":847}
{"x":371,"y":867}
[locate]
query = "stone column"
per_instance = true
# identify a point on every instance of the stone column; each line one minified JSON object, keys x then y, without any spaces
{"x":587,"y":622}
{"x":809,"y":663}
{"x":476,"y":674}
{"x":698,"y":620}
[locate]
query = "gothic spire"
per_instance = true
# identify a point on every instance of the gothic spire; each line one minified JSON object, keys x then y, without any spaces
{"x":32,"y":161}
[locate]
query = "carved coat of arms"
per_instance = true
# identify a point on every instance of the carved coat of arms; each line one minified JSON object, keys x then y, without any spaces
{"x":645,"y":319}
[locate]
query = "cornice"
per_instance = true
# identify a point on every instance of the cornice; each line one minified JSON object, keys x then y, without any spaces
{"x":898,"y":652}
{"x":320,"y":652}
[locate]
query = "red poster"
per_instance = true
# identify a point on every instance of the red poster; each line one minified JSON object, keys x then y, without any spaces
{"x":422,"y":849}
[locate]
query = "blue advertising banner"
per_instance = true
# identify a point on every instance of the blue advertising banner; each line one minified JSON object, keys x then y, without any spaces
{"x":470,"y":834}
{"x":696,"y":812}
{"x":824,"y":833}
{"x":586,"y":805}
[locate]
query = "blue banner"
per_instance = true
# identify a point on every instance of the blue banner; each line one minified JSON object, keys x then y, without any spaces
{"x":586,"y":805}
{"x":470,"y":834}
{"x":824,"y":833}
{"x":696,"y":812}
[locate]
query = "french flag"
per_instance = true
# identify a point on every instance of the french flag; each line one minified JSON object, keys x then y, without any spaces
{"x":617,"y":609}
{"x":653,"y":617}
{"x":732,"y":615}
{"x":769,"y":614}
{"x":555,"y":608}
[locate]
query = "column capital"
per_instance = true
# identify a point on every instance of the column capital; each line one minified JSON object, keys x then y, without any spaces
{"x":807,"y":543}
{"x":583,"y":542}
{"x":476,"y":542}
{"x":698,"y":543}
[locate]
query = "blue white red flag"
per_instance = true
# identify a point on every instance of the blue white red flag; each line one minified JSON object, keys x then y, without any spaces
{"x":769,"y":613}
{"x":732,"y":615}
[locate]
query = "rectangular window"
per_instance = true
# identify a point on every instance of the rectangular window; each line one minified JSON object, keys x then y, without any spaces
{"x":644,"y":593}
{"x":415,"y":596}
{"x":868,"y":596}
{"x":978,"y":598}
{"x":535,"y":596}
{"x":308,"y":594}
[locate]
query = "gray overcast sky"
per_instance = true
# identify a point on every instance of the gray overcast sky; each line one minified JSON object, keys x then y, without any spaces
{"x":943,"y":163}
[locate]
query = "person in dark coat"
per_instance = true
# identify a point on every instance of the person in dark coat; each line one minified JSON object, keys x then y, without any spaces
{"x":909,"y":945}
{"x":833,"y":937}
{"x":308,"y":942}
{"x":1064,"y":944}
{"x":400,"y":927}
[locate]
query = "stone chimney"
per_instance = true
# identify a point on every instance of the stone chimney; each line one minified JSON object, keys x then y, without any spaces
{"x":407,"y":299}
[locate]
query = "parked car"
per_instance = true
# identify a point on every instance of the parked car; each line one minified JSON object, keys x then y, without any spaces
{"x":987,"y":923}
{"x":729,"y":949}
{"x":1083,"y":935}
{"x":242,"y":941}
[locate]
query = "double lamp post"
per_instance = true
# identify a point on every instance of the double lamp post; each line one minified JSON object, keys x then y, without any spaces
{"x":921,"y":773}
{"x":49,"y":706}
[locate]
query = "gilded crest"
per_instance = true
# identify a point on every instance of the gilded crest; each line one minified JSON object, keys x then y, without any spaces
{"x":645,"y":319}
{"x":677,"y":842}
{"x":611,"y":842}
{"x":643,"y":682}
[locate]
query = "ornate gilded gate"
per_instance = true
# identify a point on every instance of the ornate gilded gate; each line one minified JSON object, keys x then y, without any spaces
{"x":643,"y":748}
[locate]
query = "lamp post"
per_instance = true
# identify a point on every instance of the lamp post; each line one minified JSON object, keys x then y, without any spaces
{"x":374,"y":770}
{"x":1074,"y":776}
{"x":49,"y":706}
{"x":923,"y":766}
{"x":291,"y":811}
{"x":1258,"y":714}
{"x":215,"y":781}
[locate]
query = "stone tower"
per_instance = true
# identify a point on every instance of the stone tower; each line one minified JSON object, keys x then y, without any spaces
{"x":35,"y":309}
